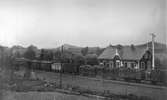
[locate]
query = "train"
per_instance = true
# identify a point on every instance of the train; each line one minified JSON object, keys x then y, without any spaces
{"x":50,"y":66}
{"x":122,"y":74}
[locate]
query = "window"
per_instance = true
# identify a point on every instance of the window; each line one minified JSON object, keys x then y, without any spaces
{"x":104,"y":62}
{"x":108,"y":64}
{"x":125,"y":64}
{"x":128,"y":65}
{"x":142,"y":65}
{"x":111,"y":64}
{"x":132,"y":65}
{"x":136,"y":66}
{"x":117,"y":63}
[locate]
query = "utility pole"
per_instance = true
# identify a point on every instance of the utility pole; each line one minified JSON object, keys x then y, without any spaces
{"x":153,"y":63}
{"x":61,"y":66}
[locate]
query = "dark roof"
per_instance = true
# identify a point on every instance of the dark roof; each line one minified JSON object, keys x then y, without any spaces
{"x":126,"y":52}
{"x":108,"y":53}
{"x":130,"y":53}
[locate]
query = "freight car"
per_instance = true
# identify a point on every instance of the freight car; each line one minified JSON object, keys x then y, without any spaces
{"x":65,"y":67}
{"x":70,"y":68}
{"x":47,"y":66}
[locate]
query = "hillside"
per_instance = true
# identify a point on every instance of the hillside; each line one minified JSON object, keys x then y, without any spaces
{"x":159,"y":48}
{"x":77,"y":50}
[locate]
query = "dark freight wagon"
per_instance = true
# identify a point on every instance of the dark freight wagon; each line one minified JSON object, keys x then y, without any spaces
{"x":70,"y":68}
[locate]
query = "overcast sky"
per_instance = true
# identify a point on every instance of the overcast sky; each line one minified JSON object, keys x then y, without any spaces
{"x":50,"y":23}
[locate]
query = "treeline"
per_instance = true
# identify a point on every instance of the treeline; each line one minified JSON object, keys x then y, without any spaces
{"x":86,"y":55}
{"x":7,"y":55}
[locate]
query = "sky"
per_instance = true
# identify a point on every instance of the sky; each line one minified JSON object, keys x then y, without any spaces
{"x":50,"y":23}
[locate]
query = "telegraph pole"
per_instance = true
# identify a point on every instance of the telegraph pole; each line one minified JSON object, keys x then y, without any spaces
{"x":61,"y":67}
{"x":153,"y":63}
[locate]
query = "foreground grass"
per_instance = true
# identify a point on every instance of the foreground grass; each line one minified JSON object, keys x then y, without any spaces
{"x":30,"y":89}
{"x":27,"y":88}
{"x":44,"y":96}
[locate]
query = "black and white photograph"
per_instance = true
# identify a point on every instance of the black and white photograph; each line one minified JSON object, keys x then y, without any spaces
{"x":83,"y":50}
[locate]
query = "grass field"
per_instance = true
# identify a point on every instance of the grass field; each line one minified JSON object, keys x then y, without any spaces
{"x":44,"y":96}
{"x":113,"y":87}
{"x":46,"y":87}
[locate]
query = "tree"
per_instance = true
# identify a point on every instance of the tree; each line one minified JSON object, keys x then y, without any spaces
{"x":119,"y":46}
{"x":99,"y":51}
{"x":91,"y":59}
{"x":84,"y":51}
{"x":42,"y":54}
{"x":5,"y":56}
{"x":132,"y":47}
{"x":57,"y":55}
{"x":2,"y":55}
{"x":30,"y":53}
{"x":78,"y":60}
